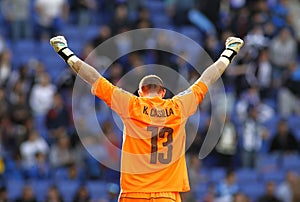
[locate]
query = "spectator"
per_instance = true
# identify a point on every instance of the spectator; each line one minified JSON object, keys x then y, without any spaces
{"x":143,"y":16}
{"x":31,"y":146}
{"x":60,"y":153}
{"x":289,"y":93}
{"x":253,"y":135}
{"x":3,"y":44}
{"x":296,"y":190}
{"x":40,"y":170}
{"x":57,"y":118}
{"x":27,"y":195}
{"x":41,"y":97}
{"x":195,"y":170}
{"x":260,"y":74}
{"x":105,"y":32}
{"x":284,"y":141}
{"x":212,"y":46}
{"x":115,"y":73}
{"x":227,"y":145}
{"x":74,"y":172}
{"x":3,"y":103}
{"x":177,"y":10}
{"x":201,"y":16}
{"x":82,"y":195}
{"x":14,"y":168}
{"x":281,"y":14}
{"x":71,"y":172}
{"x":17,"y":14}
{"x":17,"y":89}
{"x":53,"y":195}
{"x":249,"y":99}
{"x":84,"y":10}
{"x":284,"y":191}
{"x":227,"y":188}
{"x":283,"y":50}
{"x":50,"y":17}
{"x":5,"y":66}
{"x":113,"y":192}
{"x":120,"y":20}
{"x":240,"y":25}
{"x":3,"y":194}
{"x":210,"y":194}
{"x":20,"y":110}
{"x":269,"y":195}
{"x":240,"y":197}
{"x":24,"y":76}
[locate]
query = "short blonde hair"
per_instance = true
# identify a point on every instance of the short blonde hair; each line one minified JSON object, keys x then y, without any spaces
{"x":150,"y":80}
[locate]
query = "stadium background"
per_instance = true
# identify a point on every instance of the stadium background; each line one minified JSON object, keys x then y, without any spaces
{"x":41,"y":155}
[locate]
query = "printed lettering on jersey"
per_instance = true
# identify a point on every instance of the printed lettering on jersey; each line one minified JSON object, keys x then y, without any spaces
{"x":156,"y":112}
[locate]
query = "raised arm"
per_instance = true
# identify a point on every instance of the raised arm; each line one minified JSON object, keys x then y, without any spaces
{"x":214,"y":71}
{"x":113,"y":96}
{"x":84,"y":70}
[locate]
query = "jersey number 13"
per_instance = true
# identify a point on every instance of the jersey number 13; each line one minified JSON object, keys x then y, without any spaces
{"x":157,"y":133}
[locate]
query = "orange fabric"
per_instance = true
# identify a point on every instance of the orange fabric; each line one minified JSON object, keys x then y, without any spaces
{"x":153,"y":149}
{"x":150,"y":197}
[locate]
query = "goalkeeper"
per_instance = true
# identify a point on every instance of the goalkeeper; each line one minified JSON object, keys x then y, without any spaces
{"x":153,"y":165}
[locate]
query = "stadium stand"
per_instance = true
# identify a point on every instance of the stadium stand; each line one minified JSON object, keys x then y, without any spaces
{"x":254,"y":21}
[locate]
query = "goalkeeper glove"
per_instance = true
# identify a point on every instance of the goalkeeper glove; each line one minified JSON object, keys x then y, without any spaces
{"x":233,"y":46}
{"x":59,"y":43}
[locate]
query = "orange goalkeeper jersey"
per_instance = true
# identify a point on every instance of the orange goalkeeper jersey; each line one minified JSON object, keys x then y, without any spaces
{"x":154,"y":136}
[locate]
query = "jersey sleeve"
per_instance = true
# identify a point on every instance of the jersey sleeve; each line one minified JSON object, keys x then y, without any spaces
{"x":191,"y":98}
{"x":116,"y":98}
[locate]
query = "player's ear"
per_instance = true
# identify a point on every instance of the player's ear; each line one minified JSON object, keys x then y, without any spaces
{"x":141,"y":94}
{"x":163,"y":93}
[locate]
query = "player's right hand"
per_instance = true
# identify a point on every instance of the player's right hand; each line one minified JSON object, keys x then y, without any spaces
{"x":234,"y":44}
{"x":58,"y":43}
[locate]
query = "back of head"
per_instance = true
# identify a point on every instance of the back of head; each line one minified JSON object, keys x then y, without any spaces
{"x":151,"y":84}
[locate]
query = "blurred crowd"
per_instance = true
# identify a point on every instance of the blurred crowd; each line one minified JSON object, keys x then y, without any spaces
{"x":262,"y":120}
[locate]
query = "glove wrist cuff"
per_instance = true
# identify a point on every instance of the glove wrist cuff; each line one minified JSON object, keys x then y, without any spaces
{"x":72,"y":60}
{"x":224,"y":60}
{"x":65,"y":53}
{"x":229,"y":54}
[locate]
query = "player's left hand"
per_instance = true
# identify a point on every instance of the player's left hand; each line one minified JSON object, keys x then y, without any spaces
{"x":58,"y":43}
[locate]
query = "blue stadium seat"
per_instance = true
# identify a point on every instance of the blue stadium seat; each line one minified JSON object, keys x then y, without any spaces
{"x":45,"y":48}
{"x":97,"y":189}
{"x":216,"y":174}
{"x":267,"y":163}
{"x":72,"y":32}
{"x":160,"y":20}
{"x":14,"y":188}
{"x":294,"y":123}
{"x":54,"y":65}
{"x":290,"y":162}
{"x":40,"y":188}
{"x":275,"y":176}
{"x":76,"y":45}
{"x":246,"y":175}
{"x":68,"y":189}
{"x":24,"y":46}
{"x":253,"y":189}
{"x":200,"y":190}
{"x":191,"y":32}
{"x":297,"y":134}
{"x":23,"y":51}
{"x":155,"y":6}
{"x":91,"y":32}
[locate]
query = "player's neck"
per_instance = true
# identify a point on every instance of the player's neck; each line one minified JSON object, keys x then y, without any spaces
{"x":151,"y":95}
